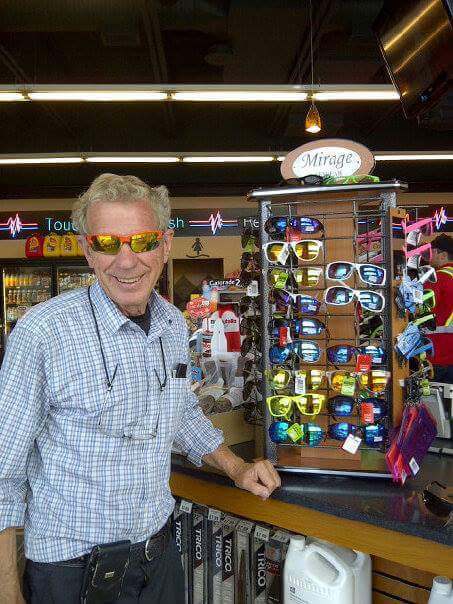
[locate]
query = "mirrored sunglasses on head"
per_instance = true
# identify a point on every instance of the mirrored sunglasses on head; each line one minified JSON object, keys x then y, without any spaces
{"x":110,"y":244}
{"x":278,"y":225}
{"x":298,"y":277}
{"x":304,"y":326}
{"x":305,"y":250}
{"x":372,"y":274}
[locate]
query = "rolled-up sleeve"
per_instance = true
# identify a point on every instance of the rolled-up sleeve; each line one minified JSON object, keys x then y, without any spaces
{"x":23,"y":409}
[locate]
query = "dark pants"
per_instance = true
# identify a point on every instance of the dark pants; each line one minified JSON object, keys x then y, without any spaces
{"x":443,"y":374}
{"x":160,"y":581}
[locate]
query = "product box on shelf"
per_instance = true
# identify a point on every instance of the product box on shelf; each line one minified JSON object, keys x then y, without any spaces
{"x":215,"y":566}
{"x":228,"y":560}
{"x":243,"y":561}
{"x":199,"y":555}
{"x":181,"y":525}
{"x":260,"y":538}
{"x":275,"y":549}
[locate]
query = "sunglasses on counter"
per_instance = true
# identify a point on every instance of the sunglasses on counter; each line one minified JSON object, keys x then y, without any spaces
{"x":138,"y":242}
{"x":340,"y":295}
{"x":307,"y":404}
{"x":305,"y":326}
{"x":283,"y":432}
{"x":277,"y":225}
{"x":301,"y":303}
{"x":373,"y":434}
{"x":368,"y":273}
{"x":438,"y":498}
{"x":278,"y":252}
{"x":305,"y":350}
{"x":301,"y":276}
{"x":279,"y":377}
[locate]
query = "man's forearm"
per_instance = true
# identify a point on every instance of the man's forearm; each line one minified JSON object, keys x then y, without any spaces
{"x":224,"y":459}
{"x":9,"y":582}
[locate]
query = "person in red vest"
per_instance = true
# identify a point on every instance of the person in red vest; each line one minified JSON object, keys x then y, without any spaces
{"x":442,"y":337}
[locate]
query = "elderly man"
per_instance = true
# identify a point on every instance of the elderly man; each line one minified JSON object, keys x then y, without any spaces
{"x":93,"y":395}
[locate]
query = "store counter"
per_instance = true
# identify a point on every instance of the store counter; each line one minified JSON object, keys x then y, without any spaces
{"x":371,"y":515}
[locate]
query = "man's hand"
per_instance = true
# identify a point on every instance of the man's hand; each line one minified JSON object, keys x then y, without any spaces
{"x":260,"y":477}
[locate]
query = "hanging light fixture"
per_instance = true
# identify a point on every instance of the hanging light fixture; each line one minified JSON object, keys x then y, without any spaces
{"x":313,"y":119}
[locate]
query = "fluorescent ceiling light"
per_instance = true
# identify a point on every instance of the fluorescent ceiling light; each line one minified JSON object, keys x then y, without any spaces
{"x":132,"y":159}
{"x":239,"y":95}
{"x":44,"y":159}
{"x":218,"y":159}
{"x":98,"y":95}
{"x":357,"y":95}
{"x":409,"y":156}
{"x":11,"y":96}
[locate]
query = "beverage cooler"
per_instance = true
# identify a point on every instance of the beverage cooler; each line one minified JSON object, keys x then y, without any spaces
{"x":29,"y":282}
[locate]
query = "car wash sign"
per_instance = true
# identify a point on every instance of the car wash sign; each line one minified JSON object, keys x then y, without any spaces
{"x":328,"y":157}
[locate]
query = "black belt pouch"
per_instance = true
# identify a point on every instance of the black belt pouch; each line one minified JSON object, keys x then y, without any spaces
{"x":104,"y":573}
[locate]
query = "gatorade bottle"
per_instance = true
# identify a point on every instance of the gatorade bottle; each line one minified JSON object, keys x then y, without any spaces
{"x":51,"y":245}
{"x":68,"y":244}
{"x":34,"y":246}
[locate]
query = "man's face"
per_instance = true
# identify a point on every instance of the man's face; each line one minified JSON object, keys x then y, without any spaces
{"x":439,"y":258}
{"x":127,"y":278}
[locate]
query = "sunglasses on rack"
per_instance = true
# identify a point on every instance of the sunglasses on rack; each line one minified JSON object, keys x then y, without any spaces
{"x":368,"y":236}
{"x":373,"y":435}
{"x":427,"y":273}
{"x":425,"y":226}
{"x":249,"y":325}
{"x":278,"y":252}
{"x":138,"y":242}
{"x":305,"y":326}
{"x":424,"y":251}
{"x":374,"y":381}
{"x":279,"y":378}
{"x":281,"y":432}
{"x":250,"y":342}
{"x":305,"y":350}
{"x":307,"y":404}
{"x":368,"y":273}
{"x":340,"y":295}
{"x":340,"y":354}
{"x":249,"y":303}
{"x":343,"y":406}
{"x":248,"y":257}
{"x":278,"y":225}
{"x":301,"y":303}
{"x":246,"y":277}
{"x":301,"y":276}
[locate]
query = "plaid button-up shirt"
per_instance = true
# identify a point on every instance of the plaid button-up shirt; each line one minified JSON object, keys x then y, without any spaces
{"x":71,"y":483}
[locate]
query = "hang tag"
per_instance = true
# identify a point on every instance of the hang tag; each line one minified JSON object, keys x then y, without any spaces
{"x":283,"y":257}
{"x":367,"y":413}
{"x":300,"y":383}
{"x":414,"y":466}
{"x":185,"y":506}
{"x":214,"y":515}
{"x":417,"y":295}
{"x":252,"y":289}
{"x":363,"y":363}
{"x":283,"y":333}
{"x":351,"y":444}
{"x":295,"y":432}
{"x":262,"y":533}
{"x":426,"y":390}
{"x":348,"y":386}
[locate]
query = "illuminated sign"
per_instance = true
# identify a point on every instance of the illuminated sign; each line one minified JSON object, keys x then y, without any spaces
{"x":216,"y":223}
{"x":14,"y":226}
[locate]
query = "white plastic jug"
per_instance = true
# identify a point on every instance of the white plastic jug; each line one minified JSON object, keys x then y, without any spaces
{"x":360,"y":564}
{"x":314,"y":574}
{"x":442,"y":591}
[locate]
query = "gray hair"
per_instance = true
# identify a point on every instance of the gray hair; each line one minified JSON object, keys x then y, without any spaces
{"x":126,"y":189}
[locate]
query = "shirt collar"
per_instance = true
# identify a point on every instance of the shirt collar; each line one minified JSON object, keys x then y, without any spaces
{"x":112,"y":319}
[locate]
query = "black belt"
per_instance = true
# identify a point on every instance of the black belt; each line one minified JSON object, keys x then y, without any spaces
{"x":149,"y":549}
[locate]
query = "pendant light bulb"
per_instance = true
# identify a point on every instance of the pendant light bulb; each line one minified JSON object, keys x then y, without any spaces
{"x":313,"y":120}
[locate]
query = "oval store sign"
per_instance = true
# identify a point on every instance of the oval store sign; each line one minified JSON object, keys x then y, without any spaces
{"x":328,"y":157}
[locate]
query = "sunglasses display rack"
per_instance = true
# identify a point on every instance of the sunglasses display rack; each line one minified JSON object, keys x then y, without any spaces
{"x":331,"y":380}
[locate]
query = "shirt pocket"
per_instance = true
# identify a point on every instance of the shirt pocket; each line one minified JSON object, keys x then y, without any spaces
{"x":173,"y":403}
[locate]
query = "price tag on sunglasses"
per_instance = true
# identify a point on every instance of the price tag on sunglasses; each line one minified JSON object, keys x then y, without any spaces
{"x":367,"y":413}
{"x":295,"y":432}
{"x":351,"y":444}
{"x":363,"y":363}
{"x":348,"y":386}
{"x":283,"y":336}
{"x":300,"y":383}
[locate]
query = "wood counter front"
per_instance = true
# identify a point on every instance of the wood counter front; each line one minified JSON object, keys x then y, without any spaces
{"x":389,"y":545}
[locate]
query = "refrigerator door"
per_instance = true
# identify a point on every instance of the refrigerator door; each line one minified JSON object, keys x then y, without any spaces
{"x":72,"y":277}
{"x":23,"y":287}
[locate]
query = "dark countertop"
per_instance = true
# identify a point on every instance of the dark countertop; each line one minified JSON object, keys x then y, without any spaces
{"x":374,"y":501}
